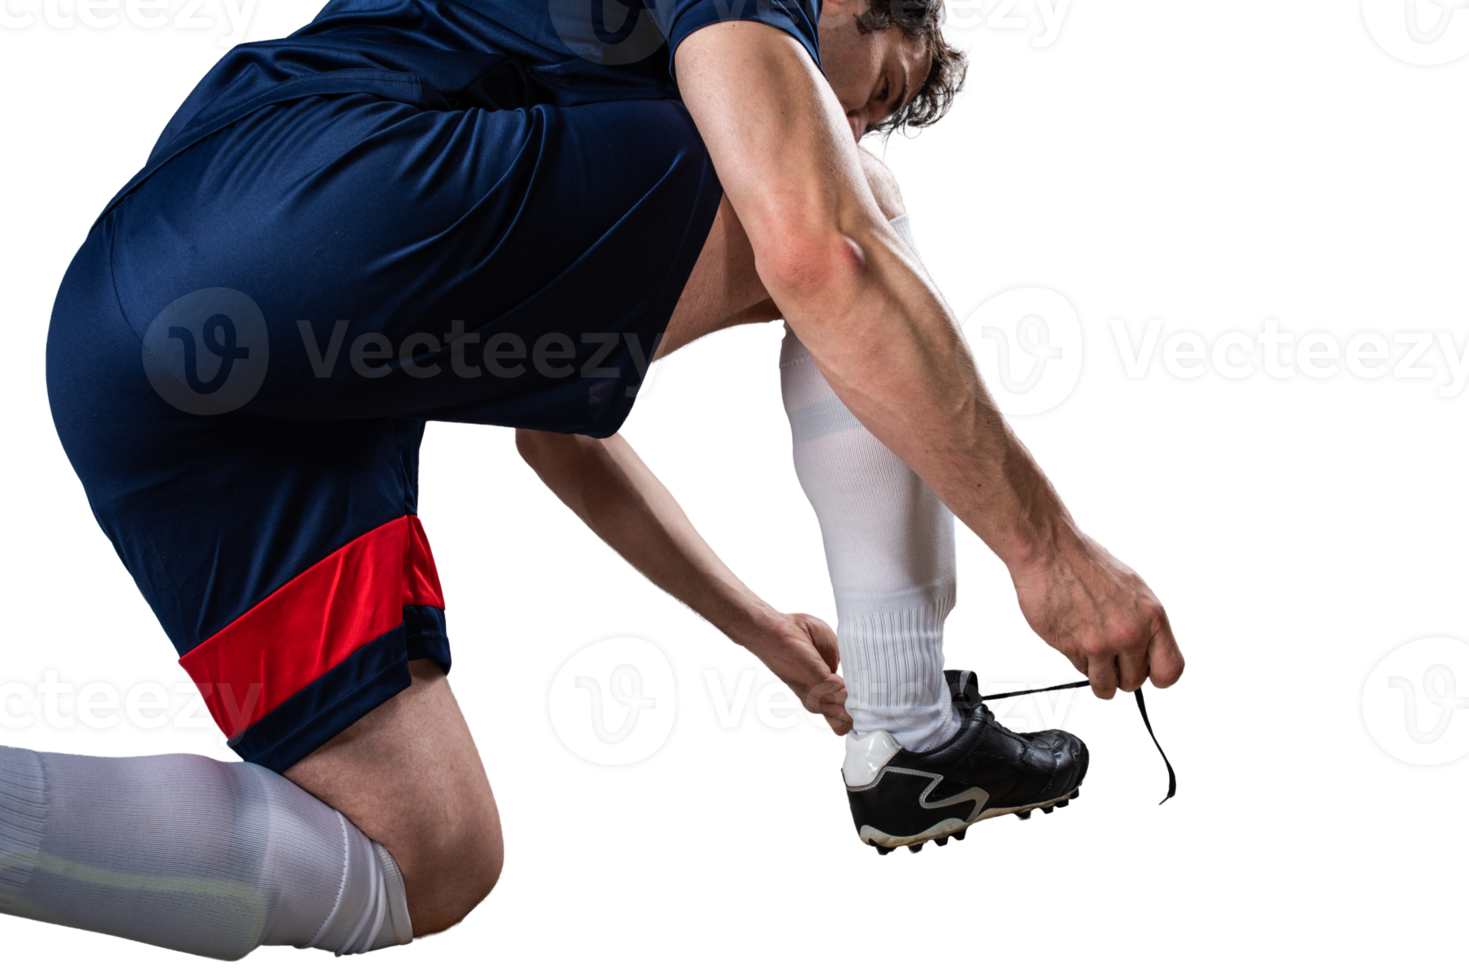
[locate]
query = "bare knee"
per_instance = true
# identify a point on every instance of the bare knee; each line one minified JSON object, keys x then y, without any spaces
{"x":884,"y":185}
{"x":449,"y":872}
{"x":448,"y":842}
{"x":409,"y":776}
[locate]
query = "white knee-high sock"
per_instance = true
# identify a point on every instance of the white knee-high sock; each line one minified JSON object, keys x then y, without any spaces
{"x":191,"y":854}
{"x":890,"y":552}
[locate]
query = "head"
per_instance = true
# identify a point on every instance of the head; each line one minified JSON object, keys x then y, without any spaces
{"x":888,"y":63}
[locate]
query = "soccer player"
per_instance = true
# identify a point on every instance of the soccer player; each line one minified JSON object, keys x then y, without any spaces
{"x":497,"y":212}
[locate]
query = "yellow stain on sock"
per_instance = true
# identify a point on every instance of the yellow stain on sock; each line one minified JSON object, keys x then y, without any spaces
{"x":241,"y":905}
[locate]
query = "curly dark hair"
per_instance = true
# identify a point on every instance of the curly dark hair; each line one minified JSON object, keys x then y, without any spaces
{"x":920,"y":20}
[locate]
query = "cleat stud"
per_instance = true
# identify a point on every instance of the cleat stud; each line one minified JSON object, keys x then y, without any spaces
{"x":959,"y":834}
{"x":1023,"y":814}
{"x":883,"y":850}
{"x":915,"y":848}
{"x":941,"y":841}
{"x":1048,"y":809}
{"x":1063,"y":802}
{"x":1076,"y":792}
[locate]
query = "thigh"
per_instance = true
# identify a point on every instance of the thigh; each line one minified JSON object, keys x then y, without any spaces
{"x":284,"y":559}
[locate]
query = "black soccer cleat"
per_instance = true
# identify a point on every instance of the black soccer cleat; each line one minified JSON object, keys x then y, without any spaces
{"x":902,"y":799}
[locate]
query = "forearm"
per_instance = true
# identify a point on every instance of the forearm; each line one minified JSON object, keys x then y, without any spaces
{"x":874,"y":324}
{"x":606,"y":484}
{"x":894,"y":354}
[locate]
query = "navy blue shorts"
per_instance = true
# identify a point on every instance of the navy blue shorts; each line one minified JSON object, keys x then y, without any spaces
{"x":244,"y":352}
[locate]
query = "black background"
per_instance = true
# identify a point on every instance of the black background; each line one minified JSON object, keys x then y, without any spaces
{"x":1209,"y":165}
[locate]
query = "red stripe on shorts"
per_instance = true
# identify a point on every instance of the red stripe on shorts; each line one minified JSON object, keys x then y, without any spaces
{"x":314,"y":622}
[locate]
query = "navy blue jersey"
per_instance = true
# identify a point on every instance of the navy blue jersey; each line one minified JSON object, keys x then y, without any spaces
{"x":493,"y":54}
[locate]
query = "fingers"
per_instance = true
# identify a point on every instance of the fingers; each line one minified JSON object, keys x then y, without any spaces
{"x":1132,"y":667}
{"x":1128,"y":667}
{"x":1102,"y":672}
{"x":1165,"y":660}
{"x":824,"y":638}
{"x":829,"y":699}
{"x":1102,"y":616}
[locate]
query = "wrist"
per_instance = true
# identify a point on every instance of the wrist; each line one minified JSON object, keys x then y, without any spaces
{"x":1040,"y":529}
{"x":1037,"y":547}
{"x":753,"y":622}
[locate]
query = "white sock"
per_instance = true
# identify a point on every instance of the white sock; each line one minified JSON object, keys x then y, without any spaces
{"x":890,"y":552}
{"x":191,"y":854}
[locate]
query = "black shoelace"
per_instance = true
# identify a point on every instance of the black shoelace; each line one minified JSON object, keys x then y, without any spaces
{"x":1141,"y":707}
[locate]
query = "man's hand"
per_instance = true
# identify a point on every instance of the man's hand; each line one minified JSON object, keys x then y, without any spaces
{"x":802,"y":651}
{"x":1100,"y":614}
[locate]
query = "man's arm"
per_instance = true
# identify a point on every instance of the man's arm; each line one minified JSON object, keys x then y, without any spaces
{"x":605,"y":483}
{"x":892,"y":350}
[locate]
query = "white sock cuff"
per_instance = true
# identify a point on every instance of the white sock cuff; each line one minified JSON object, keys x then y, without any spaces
{"x":895,"y":658}
{"x":371,"y":909}
{"x":400,"y":931}
{"x":893,"y":662}
{"x":937,"y":600}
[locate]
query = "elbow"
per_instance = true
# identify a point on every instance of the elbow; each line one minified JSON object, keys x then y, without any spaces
{"x":802,"y":267}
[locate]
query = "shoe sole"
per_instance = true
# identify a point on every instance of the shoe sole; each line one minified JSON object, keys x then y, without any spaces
{"x":941,"y":832}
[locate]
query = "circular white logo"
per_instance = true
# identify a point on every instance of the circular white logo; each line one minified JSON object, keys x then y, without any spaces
{"x":613,"y":703}
{"x":1029,"y":347}
{"x":206,"y":353}
{"x":1419,"y":32}
{"x":1416,"y":702}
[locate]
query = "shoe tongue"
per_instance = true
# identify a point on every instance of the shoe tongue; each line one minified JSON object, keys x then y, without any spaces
{"x":963,"y":687}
